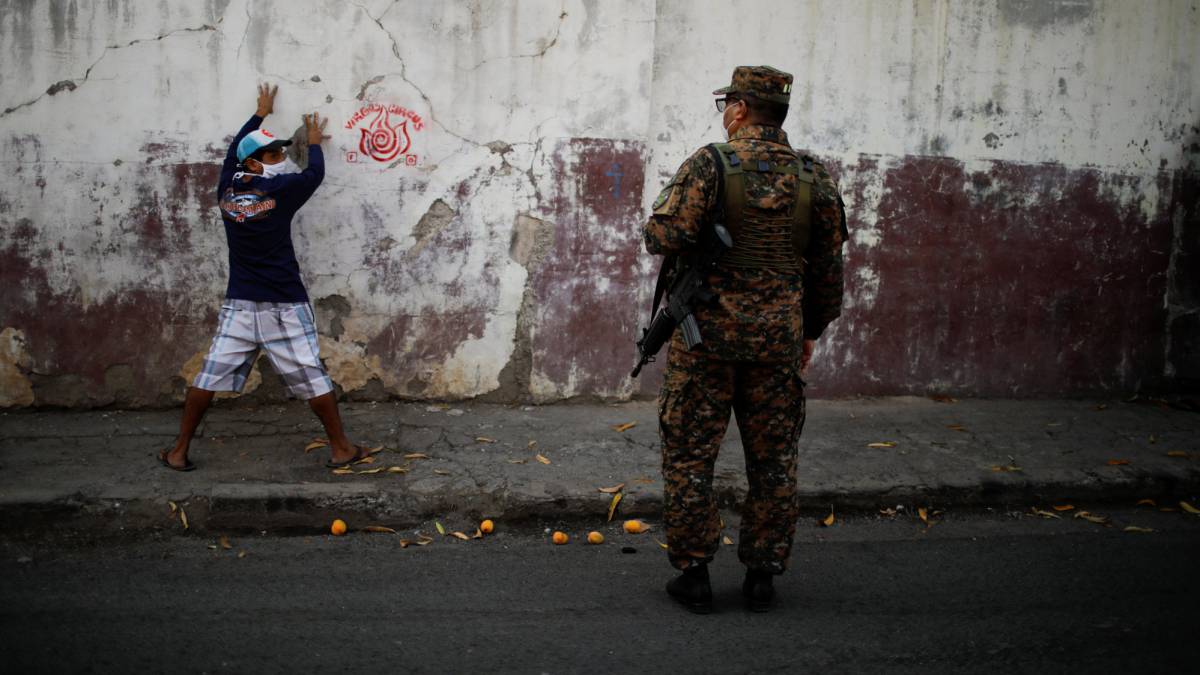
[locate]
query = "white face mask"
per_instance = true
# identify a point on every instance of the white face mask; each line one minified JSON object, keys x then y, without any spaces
{"x":727,"y":132}
{"x":280,"y":168}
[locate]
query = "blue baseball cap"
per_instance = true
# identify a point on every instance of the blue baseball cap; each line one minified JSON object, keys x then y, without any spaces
{"x":259,"y":139}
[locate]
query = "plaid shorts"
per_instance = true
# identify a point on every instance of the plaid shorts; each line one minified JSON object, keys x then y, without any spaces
{"x":284,"y":329}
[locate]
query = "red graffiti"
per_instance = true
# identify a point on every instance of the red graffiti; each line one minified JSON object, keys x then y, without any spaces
{"x":381,"y":140}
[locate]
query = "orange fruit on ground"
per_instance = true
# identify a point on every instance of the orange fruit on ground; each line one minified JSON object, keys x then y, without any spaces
{"x":487,"y":526}
{"x":595,"y":538}
{"x":560,"y":538}
{"x":635,"y":526}
{"x":338,"y":527}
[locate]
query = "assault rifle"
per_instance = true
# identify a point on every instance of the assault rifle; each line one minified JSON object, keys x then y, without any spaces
{"x":687,"y":288}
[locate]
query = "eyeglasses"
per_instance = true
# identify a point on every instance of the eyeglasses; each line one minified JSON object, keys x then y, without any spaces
{"x":723,"y":103}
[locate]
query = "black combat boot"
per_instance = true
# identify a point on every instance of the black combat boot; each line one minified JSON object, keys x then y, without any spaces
{"x":692,"y":589}
{"x":759,"y":590}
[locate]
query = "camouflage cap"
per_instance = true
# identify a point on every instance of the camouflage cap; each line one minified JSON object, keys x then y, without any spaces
{"x":762,"y":82}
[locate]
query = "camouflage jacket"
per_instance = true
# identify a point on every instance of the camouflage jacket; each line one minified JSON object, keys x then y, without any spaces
{"x":760,"y":314}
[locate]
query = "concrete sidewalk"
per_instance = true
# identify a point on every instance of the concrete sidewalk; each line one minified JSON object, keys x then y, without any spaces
{"x":96,"y":469}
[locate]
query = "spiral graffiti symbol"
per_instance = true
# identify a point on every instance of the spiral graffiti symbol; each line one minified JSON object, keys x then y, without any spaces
{"x":383,"y":142}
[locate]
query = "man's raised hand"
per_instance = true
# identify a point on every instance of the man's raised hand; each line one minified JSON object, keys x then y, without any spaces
{"x":315,"y":127}
{"x":266,"y":99}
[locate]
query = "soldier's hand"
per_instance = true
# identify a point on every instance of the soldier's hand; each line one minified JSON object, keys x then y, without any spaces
{"x":266,"y":99}
{"x":315,"y":127}
{"x":806,"y":356}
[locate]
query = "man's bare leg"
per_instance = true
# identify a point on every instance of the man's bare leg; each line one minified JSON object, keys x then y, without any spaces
{"x":194,"y":407}
{"x":326,"y":408}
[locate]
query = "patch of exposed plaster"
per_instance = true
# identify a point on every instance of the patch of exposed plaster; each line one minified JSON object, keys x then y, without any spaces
{"x":434,"y":221}
{"x":343,"y":339}
{"x":15,"y":364}
{"x":348,"y":364}
{"x":532,"y":240}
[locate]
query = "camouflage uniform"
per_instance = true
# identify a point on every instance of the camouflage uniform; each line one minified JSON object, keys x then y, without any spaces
{"x":749,"y":361}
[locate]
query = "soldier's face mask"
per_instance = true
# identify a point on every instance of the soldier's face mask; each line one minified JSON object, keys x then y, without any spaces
{"x":727,"y":120}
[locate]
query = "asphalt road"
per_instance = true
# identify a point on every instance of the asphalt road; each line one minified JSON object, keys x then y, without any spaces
{"x":973,"y":593}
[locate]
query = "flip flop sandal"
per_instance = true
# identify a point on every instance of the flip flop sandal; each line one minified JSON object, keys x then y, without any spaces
{"x":162,"y":458}
{"x":360,"y":453}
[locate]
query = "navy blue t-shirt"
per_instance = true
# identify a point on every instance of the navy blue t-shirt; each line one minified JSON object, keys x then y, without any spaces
{"x":257,"y":213}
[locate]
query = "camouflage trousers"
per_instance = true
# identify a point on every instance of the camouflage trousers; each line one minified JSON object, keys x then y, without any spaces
{"x":697,"y":396}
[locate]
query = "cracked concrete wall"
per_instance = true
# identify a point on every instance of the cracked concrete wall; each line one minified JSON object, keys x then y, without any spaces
{"x":1020,"y":178}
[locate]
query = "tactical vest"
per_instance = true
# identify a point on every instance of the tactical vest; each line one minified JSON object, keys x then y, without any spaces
{"x":762,"y":239}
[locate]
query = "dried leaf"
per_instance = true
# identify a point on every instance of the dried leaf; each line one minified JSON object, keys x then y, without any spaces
{"x":882,"y":444}
{"x":887,"y":512}
{"x":1146,"y":502}
{"x":212,"y":547}
{"x":612,"y":506}
{"x":517,"y":461}
{"x":828,"y":520}
{"x":645,"y":481}
{"x":380,"y":529}
{"x":1045,"y":514}
{"x":1183,"y":505}
{"x":397,"y":469}
{"x":956,"y":427}
{"x":923,"y":514}
{"x":1092,"y":518}
{"x":174,"y":507}
{"x":441,"y":472}
{"x":369,"y":471}
{"x":532,"y":444}
{"x":613,"y":489}
{"x":624,"y":427}
{"x":478,"y":534}
{"x":662,"y":545}
{"x":542,"y":459}
{"x":369,"y":459}
{"x":484,"y":439}
{"x":460,"y":535}
{"x":316,"y":443}
{"x":943,"y":398}
{"x":416,"y":455}
{"x":344,"y":471}
{"x":1007,"y":468}
{"x":224,"y":542}
{"x":183,"y":517}
{"x":440,"y":529}
{"x":1064,"y":507}
{"x":423,"y":540}
{"x":727,"y":541}
{"x":241,"y":554}
{"x":1177,"y":453}
{"x":1117,"y":462}
{"x":1134,"y":528}
{"x":405,"y":543}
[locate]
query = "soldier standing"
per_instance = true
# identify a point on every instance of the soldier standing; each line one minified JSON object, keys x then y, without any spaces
{"x":776,"y":291}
